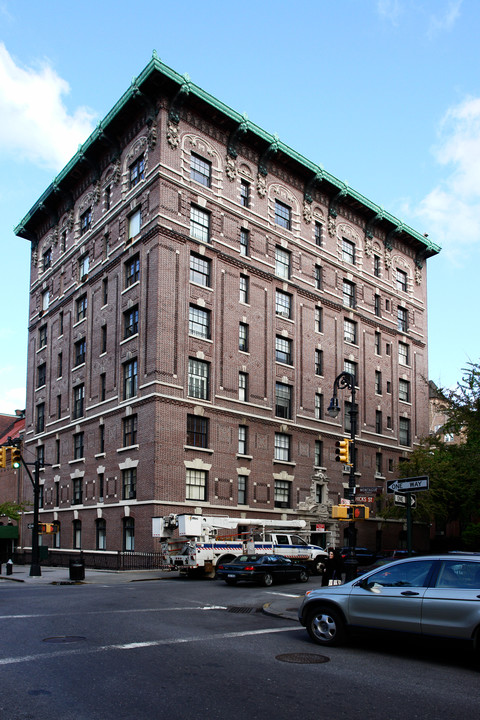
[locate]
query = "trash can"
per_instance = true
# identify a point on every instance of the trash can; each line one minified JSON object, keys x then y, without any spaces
{"x":9,"y":567}
{"x":77,"y":569}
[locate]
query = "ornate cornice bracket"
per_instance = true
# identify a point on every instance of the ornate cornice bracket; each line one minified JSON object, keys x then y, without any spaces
{"x":272,"y":149}
{"x":333,"y":205}
{"x":236,"y":135}
{"x":179,"y":99}
{"x":373,"y":221}
{"x":314,"y":180}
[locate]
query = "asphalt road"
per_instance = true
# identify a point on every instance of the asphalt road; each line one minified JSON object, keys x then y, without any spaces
{"x":179,"y":649}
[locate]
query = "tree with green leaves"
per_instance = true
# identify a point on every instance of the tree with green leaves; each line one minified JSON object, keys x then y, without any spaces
{"x":11,"y":510}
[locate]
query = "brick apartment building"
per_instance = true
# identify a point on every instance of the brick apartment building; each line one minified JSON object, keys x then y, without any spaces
{"x":196,"y":287}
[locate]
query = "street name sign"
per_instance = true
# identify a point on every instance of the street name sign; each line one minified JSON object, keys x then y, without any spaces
{"x":402,"y":500}
{"x":408,"y":484}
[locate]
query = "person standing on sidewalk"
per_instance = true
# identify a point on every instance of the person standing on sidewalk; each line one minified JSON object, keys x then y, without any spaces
{"x":334,"y":569}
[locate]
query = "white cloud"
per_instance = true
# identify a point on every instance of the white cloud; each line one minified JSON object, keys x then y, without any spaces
{"x":390,"y":10}
{"x":12,"y":399}
{"x":35,"y":123}
{"x":451,"y":211}
{"x":445,"y":20}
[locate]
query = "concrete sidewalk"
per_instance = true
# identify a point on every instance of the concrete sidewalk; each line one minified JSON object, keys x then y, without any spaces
{"x":61,"y":575}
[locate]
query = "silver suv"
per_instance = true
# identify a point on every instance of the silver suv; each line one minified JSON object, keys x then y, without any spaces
{"x":431,"y":595}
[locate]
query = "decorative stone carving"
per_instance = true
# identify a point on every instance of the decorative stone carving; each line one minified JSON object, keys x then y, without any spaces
{"x":307,"y":212}
{"x":332,"y":226}
{"x":261,"y":186}
{"x":117,"y":172}
{"x":388,"y":258}
{"x":231,"y":168}
{"x":172,"y":135}
{"x":368,"y":247}
{"x":418,"y":276}
{"x":152,"y":136}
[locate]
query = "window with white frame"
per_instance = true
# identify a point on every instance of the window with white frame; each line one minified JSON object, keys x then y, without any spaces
{"x":81,"y":308}
{"x":198,"y":379}
{"x":242,"y":439}
{"x":83,"y":267}
{"x":404,"y":390}
{"x":350,"y":331}
{"x":200,"y":270}
{"x":351,"y":367}
{"x":242,"y":489}
{"x":283,"y":304}
{"x":402,"y":319}
{"x":378,"y":382}
{"x":200,"y":170}
{"x":132,"y":271}
{"x":403,"y":353}
{"x":318,"y":233}
{"x":243,"y":337}
{"x":348,"y":293}
{"x":318,"y":453}
{"x":282,"y":447}
{"x":318,"y":319}
{"x":134,"y":221}
{"x":199,"y":322}
{"x":129,"y":483}
{"x":282,"y":263}
{"x":282,"y":492}
{"x":130,"y":379}
{"x":283,"y":215}
{"x":245,"y":193}
{"x":128,"y":534}
{"x":404,"y":431}
{"x":196,"y":485}
{"x":244,"y":241}
{"x":199,"y":224}
{"x":197,"y":431}
{"x":243,"y":386}
{"x":283,"y":400}
{"x":348,"y":251}
{"x":401,"y":280}
{"x":130,"y":323}
{"x":283,"y":350}
{"x":318,"y":406}
{"x":244,"y":287}
{"x":137,"y":171}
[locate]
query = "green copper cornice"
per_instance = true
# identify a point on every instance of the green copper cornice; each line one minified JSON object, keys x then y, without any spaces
{"x":180,"y":87}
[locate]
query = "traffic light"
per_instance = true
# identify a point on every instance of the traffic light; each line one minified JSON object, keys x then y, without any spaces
{"x":360,"y":512}
{"x":15,"y":457}
{"x":42,"y":528}
{"x":3,"y":457}
{"x":342,"y":451}
{"x":340,"y":512}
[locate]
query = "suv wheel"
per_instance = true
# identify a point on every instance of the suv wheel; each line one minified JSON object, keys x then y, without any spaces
{"x":325,"y":626}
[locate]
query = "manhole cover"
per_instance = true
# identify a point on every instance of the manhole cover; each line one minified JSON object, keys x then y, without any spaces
{"x":241,"y":609}
{"x":303,"y":658}
{"x":64,"y":639}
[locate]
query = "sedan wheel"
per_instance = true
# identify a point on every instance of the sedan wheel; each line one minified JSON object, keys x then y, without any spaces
{"x":268,"y":579}
{"x":303,"y":577}
{"x":325,"y":626}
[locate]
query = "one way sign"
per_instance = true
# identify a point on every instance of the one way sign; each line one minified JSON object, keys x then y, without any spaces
{"x":408,"y":484}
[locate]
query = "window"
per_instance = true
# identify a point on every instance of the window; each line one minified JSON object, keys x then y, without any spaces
{"x":40,"y":421}
{"x":378,"y":382}
{"x":129,"y":483}
{"x":132,"y":271}
{"x":198,"y":379}
{"x":243,"y":337}
{"x":378,"y":463}
{"x":130,"y":379}
{"x":107,"y":196}
{"x":376,"y":266}
{"x":389,"y":387}
{"x":47,"y":259}
{"x":60,"y":323}
{"x":352,"y":368}
{"x":199,"y":224}
{"x":41,"y":375}
{"x":244,"y":241}
{"x":83,"y":267}
{"x":389,"y":422}
{"x":45,"y":300}
{"x":129,"y":534}
{"x":197,"y":431}
{"x":244,"y":193}
{"x":318,"y":319}
{"x":282,"y":493}
{"x":85,"y":221}
{"x":130,"y":323}
{"x":200,"y":170}
{"x":378,"y":421}
{"x":137,"y":171}
{"x":199,"y":322}
{"x":101,"y":486}
{"x":378,"y":346}
{"x":103,"y":383}
{"x":242,"y":489}
{"x":59,"y":406}
{"x":42,"y":336}
{"x":78,"y":450}
{"x":103,"y":342}
{"x":129,"y":430}
{"x":318,"y":234}
{"x":242,"y":439}
{"x":244,"y":289}
{"x":403,"y":353}
{"x":243,"y":386}
{"x":81,"y":308}
{"x":41,"y":455}
{"x":318,"y":277}
{"x":404,"y":390}
{"x":283,"y":350}
{"x":318,"y":362}
{"x":63,"y":241}
{"x":283,"y":304}
{"x":80,"y":348}
{"x":134,"y":221}
{"x":283,"y":215}
{"x":101,"y":534}
{"x":348,"y":251}
{"x":200,"y":270}
{"x":318,"y":406}
{"x":348,"y":294}
{"x":77,"y":534}
{"x":105,"y":291}
{"x":404,"y":431}
{"x":101,"y":438}
{"x":283,"y":400}
{"x":318,"y":453}
{"x":350,"y":331}
{"x":282,"y":263}
{"x":78,"y":401}
{"x":282,"y":447}
{"x":401,"y":280}
{"x":402,"y":319}
{"x":196,"y":485}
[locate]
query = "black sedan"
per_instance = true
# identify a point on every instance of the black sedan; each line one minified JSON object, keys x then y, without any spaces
{"x":264,"y":569}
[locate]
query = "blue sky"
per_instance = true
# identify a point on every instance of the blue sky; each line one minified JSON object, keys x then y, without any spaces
{"x":385,"y":94}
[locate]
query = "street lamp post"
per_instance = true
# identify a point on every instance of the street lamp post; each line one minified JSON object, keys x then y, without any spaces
{"x":342,"y":381}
